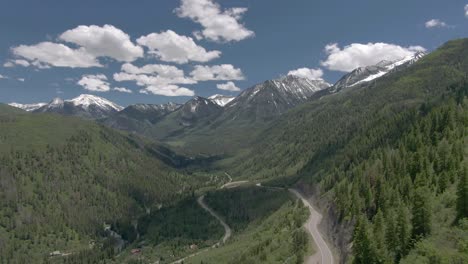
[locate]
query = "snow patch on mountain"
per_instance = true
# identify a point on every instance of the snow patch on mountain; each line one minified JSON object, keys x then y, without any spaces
{"x":28,"y":107}
{"x":220,"y":99}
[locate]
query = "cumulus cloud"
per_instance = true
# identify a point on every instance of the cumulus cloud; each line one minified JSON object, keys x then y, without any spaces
{"x":152,"y":74}
{"x":157,"y":79}
{"x":223,"y":72}
{"x":312,"y":74}
{"x":20,"y":79}
{"x":218,"y":24}
{"x":122,"y":90}
{"x":229,"y":86}
{"x":2,"y":77}
{"x":433,"y":23}
{"x":13,"y":63}
{"x":95,"y":83}
{"x":466,"y":10}
{"x":170,"y":47}
{"x":357,"y":55}
{"x":105,"y":41}
{"x":168,"y":90}
{"x":58,"y":55}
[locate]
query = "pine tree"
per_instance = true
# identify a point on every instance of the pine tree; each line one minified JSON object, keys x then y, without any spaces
{"x":421,"y":214}
{"x":402,"y":232}
{"x":462,"y":195}
{"x":379,"y":236}
{"x":363,"y":248}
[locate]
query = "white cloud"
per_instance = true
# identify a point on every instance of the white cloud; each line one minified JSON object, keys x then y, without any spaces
{"x":359,"y":55}
{"x":20,"y":79}
{"x":13,"y":63}
{"x":122,"y":90}
{"x":157,"y":79}
{"x":105,"y":41}
{"x":218,"y":24}
{"x":152,"y":74}
{"x":9,"y":64}
{"x":96,"y":83}
{"x":171,"y":47}
{"x":229,"y":86}
{"x":312,"y":74}
{"x":168,"y":90}
{"x":58,"y":55}
{"x":2,"y":77}
{"x":466,"y":10}
{"x":435,"y":23}
{"x":223,"y":72}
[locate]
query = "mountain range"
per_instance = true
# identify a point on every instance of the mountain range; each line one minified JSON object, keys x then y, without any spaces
{"x":262,"y":101}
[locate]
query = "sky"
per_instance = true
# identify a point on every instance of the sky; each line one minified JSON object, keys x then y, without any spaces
{"x":152,"y":51}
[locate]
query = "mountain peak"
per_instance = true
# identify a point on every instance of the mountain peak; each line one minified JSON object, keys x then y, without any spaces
{"x":86,"y":100}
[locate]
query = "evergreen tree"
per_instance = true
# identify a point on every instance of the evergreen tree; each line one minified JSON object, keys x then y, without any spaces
{"x":402,"y":232}
{"x":363,"y":246}
{"x":421,"y":213}
{"x":462,"y":195}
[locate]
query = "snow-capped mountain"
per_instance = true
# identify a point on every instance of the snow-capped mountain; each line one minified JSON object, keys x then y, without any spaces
{"x":87,"y":100}
{"x":220,"y":99}
{"x":28,"y":107}
{"x":366,"y":74}
{"x":274,"y":97}
{"x":85,"y":105}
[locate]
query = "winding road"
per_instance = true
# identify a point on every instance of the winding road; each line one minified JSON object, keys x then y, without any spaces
{"x":324,"y":254}
{"x":227,"y":229}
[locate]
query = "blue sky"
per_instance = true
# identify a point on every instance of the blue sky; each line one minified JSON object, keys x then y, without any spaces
{"x":227,"y":43}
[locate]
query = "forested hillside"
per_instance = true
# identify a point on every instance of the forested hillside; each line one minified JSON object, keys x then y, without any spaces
{"x":62,"y":179}
{"x":391,"y":155}
{"x":409,"y":201}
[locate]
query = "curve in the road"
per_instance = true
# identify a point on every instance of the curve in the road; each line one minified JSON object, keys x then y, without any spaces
{"x":324,"y":254}
{"x":227,"y":229}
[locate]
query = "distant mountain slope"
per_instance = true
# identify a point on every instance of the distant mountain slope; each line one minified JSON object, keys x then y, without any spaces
{"x":274,"y":97}
{"x":197,"y":109}
{"x":85,"y":105}
{"x":233,"y":127}
{"x":197,"y":112}
{"x":139,"y":118}
{"x":364,"y":75}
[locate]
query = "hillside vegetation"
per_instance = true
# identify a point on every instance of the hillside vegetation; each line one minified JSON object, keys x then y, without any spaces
{"x":62,"y":179}
{"x":267,"y":227}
